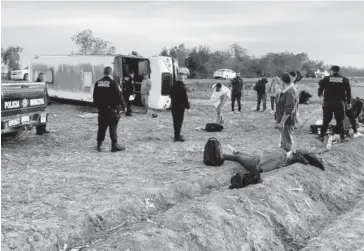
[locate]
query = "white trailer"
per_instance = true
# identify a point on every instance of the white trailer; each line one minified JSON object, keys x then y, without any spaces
{"x":73,"y":76}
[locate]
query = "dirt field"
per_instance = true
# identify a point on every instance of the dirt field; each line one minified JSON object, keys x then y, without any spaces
{"x":59,"y":193}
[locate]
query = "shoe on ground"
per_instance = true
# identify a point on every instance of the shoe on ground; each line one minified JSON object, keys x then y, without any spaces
{"x":128,"y":114}
{"x":232,"y":112}
{"x":117,"y":148}
{"x":322,"y":139}
{"x":238,"y":112}
{"x":99,"y":149}
{"x":179,"y":139}
{"x":358,"y":135}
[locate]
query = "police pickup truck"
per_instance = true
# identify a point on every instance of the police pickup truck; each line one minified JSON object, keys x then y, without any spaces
{"x":23,"y":106}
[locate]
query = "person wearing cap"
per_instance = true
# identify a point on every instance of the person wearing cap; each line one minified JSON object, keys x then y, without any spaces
{"x":144,"y":91}
{"x":336,"y":91}
{"x":236,"y":92}
{"x":42,"y":129}
{"x":108,"y":99}
{"x":128,"y":90}
{"x":260,"y":88}
{"x":179,"y":102}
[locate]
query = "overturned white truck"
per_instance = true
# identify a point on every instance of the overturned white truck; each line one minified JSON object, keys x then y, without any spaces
{"x":72,"y":77}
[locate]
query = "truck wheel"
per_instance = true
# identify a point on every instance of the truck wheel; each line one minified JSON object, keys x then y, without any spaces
{"x":25,"y":77}
{"x":40,"y":129}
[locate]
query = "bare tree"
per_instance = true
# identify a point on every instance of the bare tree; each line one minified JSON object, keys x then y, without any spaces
{"x":10,"y":57}
{"x":89,"y":44}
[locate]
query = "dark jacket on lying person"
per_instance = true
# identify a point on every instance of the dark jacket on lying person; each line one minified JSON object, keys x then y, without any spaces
{"x":304,"y":97}
{"x":179,"y":99}
{"x":268,"y":162}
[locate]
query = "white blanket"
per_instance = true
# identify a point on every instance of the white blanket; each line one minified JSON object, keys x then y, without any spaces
{"x":215,"y":97}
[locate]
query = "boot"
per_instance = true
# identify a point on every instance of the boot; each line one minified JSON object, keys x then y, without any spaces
{"x":99,"y":147}
{"x":313,"y":160}
{"x":179,"y":139}
{"x":297,"y":157}
{"x":117,"y":148}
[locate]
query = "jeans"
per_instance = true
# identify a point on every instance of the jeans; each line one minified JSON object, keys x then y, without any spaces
{"x":144,"y":99}
{"x":236,"y":96}
{"x":287,"y":137}
{"x":262,"y":97}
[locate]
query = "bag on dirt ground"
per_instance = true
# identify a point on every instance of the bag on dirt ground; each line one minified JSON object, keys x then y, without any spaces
{"x":246,"y":179}
{"x":213,"y":155}
{"x":213,"y":127}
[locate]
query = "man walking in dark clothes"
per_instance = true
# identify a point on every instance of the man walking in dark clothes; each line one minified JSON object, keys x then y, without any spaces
{"x":236,"y":91}
{"x":108,"y":99}
{"x":260,"y":88}
{"x":128,"y":90}
{"x":179,"y":102}
{"x":337,"y":97}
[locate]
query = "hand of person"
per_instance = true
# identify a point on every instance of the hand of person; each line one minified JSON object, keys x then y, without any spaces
{"x":276,"y":126}
{"x":280,"y":126}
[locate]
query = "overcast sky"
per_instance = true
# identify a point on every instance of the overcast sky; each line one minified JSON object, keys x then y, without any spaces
{"x":330,"y":31}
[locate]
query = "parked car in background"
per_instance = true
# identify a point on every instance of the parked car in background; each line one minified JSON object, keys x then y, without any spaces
{"x":225,"y":74}
{"x":310,"y":75}
{"x":20,"y":74}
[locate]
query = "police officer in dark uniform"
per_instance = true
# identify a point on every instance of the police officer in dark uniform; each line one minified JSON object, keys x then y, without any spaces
{"x":108,"y":99}
{"x":128,"y":90}
{"x":337,"y":98}
{"x":179,"y":102}
{"x":42,"y":129}
{"x":236,"y":91}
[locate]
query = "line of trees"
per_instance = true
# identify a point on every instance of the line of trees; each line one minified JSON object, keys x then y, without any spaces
{"x":202,"y":61}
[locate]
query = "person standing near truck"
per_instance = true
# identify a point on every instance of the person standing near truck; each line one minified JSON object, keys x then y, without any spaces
{"x":128,"y":90}
{"x":145,"y":90}
{"x":42,"y":129}
{"x":337,"y":98}
{"x":236,"y":92}
{"x":108,"y":99}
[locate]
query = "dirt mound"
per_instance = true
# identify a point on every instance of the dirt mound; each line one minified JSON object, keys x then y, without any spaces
{"x":345,"y":233}
{"x":284,"y":213}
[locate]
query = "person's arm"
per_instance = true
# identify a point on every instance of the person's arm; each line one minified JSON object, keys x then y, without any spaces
{"x":347,"y":91}
{"x":117,"y":93}
{"x":321,"y":87}
{"x":185,"y":98}
{"x":95,"y":95}
{"x":289,"y":106}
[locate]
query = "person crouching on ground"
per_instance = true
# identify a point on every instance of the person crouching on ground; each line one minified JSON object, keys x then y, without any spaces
{"x":286,"y":112}
{"x":220,"y":95}
{"x":179,"y":102}
{"x":145,"y":90}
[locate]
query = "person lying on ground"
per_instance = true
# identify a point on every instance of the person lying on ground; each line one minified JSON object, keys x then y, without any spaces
{"x":219,"y":97}
{"x":267,"y":162}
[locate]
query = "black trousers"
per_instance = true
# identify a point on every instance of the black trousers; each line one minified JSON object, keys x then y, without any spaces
{"x":108,"y":119}
{"x":178,"y":116}
{"x":262,"y":97}
{"x":351,"y":116}
{"x":272,"y":102}
{"x":126,"y":96}
{"x":336,"y":109}
{"x":236,"y":96}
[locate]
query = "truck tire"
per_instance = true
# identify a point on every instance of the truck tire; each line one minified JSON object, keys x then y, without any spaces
{"x":40,"y":129}
{"x":25,"y":77}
